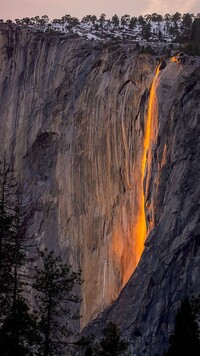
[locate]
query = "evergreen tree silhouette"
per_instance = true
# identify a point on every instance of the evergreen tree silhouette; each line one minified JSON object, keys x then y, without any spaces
{"x":18,"y":334}
{"x":111,"y":344}
{"x":15,"y":316}
{"x":55,"y":294}
{"x":185,"y":340}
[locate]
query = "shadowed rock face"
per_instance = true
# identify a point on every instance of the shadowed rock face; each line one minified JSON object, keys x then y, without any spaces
{"x":170,"y":265}
{"x":72,"y":122}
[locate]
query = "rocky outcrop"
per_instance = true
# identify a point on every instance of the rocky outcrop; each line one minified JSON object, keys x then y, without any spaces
{"x":72,"y":123}
{"x":169,"y":268}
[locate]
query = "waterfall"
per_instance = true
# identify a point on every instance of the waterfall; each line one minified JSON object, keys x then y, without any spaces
{"x":141,"y":227}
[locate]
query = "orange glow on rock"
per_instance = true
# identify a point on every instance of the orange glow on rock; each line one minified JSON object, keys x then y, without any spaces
{"x":141,"y":228}
{"x":174,"y":59}
{"x":125,"y":253}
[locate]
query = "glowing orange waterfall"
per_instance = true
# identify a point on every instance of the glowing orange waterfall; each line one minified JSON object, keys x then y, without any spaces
{"x":174,"y":59}
{"x":141,"y":227}
{"x":126,"y":255}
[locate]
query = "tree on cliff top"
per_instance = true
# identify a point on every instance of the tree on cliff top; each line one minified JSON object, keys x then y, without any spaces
{"x":115,"y":20}
{"x":195,"y":37}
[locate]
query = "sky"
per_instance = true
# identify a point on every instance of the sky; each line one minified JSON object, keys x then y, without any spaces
{"x":12,"y":9}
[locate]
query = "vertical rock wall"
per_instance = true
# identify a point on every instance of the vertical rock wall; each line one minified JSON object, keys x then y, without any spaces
{"x":169,"y":268}
{"x":72,"y":123}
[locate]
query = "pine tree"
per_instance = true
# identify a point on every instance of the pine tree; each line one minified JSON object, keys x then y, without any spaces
{"x":7,"y":193}
{"x":13,"y":263}
{"x":185,"y":340}
{"x":195,"y":36}
{"x":111,"y":344}
{"x":133,"y":22}
{"x":115,"y":20}
{"x":102,"y":19}
{"x":18,"y":334}
{"x":146,"y":31}
{"x":21,"y":332}
{"x":54,"y":285}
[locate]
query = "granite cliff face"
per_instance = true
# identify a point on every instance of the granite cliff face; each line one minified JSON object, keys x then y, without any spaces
{"x":169,"y":268}
{"x":73,"y":122}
